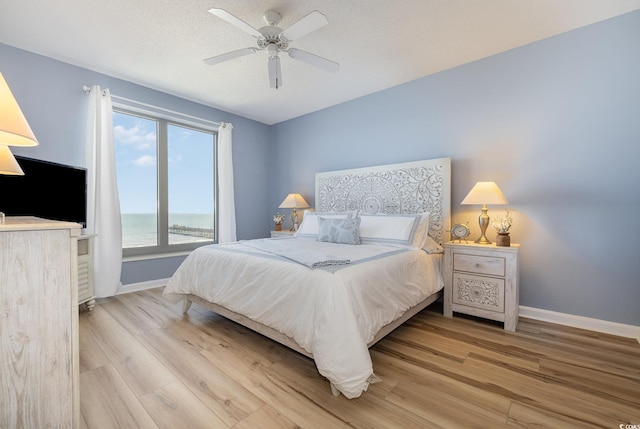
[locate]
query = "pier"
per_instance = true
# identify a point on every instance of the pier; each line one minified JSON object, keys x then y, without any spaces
{"x":192,"y":231}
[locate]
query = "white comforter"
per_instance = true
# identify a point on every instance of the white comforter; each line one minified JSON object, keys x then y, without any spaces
{"x":332,"y":313}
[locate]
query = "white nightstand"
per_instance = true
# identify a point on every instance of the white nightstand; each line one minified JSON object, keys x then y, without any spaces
{"x":482,"y":280}
{"x":282,"y":233}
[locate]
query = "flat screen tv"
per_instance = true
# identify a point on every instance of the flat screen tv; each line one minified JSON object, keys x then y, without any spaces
{"x":47,"y":190}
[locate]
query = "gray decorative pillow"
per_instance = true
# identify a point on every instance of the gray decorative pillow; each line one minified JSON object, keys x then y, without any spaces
{"x":343,"y":231}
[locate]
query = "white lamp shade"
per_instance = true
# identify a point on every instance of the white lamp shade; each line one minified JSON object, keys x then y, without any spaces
{"x":485,"y":193}
{"x":294,"y":201}
{"x":8,"y":164}
{"x":14,"y":128}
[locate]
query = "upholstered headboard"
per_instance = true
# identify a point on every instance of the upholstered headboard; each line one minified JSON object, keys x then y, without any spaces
{"x":410,"y":187}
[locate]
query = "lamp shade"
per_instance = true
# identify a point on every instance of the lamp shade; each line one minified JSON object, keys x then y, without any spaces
{"x":14,"y":128}
{"x":485,"y":193}
{"x":294,"y":201}
{"x":8,"y":164}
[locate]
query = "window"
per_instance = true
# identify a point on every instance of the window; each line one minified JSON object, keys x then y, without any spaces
{"x":166,"y":181}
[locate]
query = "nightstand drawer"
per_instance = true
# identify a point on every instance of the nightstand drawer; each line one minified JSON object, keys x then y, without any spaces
{"x":479,"y":264}
{"x":479,"y":292}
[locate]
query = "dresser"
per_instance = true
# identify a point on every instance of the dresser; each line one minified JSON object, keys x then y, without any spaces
{"x":85,"y":271}
{"x":482,"y":280}
{"x":39,"y":350}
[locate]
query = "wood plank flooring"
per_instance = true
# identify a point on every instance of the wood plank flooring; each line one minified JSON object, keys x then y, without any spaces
{"x":145,"y":365}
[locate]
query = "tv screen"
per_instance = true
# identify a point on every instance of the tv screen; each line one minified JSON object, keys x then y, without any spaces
{"x":47,"y":190}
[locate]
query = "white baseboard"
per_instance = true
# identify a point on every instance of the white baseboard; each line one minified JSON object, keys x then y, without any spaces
{"x":613,"y":328}
{"x":136,"y":287}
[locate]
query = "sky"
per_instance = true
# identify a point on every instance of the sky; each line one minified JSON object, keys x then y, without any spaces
{"x":190,"y":164}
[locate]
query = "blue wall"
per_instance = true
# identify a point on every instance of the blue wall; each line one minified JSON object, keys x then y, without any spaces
{"x":555,"y":123}
{"x":51,"y":97}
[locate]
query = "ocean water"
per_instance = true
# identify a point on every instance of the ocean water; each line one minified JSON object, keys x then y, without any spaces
{"x":139,"y":229}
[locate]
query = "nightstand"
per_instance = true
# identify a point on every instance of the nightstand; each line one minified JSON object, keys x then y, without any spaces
{"x":282,"y":233}
{"x":482,"y":280}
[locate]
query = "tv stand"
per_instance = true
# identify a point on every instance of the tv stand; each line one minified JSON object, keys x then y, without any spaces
{"x":85,"y":271}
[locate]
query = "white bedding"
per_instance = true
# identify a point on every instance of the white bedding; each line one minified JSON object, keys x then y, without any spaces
{"x":331,"y":312}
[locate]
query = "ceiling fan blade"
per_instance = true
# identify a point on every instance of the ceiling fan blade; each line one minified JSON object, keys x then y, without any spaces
{"x":234,"y":20}
{"x":230,"y":55}
{"x":275,"y":76}
{"x":314,"y":60}
{"x":305,"y":25}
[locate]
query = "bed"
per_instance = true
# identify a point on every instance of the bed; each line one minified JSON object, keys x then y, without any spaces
{"x":365,"y":261}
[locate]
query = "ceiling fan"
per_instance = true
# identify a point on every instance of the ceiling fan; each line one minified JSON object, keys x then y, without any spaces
{"x":276,"y":40}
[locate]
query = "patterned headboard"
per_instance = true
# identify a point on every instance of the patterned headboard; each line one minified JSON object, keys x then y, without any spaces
{"x":410,"y":187}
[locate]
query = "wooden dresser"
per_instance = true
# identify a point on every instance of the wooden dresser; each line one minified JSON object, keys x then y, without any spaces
{"x":39,"y":323}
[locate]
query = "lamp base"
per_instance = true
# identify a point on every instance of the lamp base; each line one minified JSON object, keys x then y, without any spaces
{"x":294,"y":220}
{"x":482,"y":240}
{"x":483,"y":220}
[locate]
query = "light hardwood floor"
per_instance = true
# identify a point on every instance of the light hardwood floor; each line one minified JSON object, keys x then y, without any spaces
{"x":145,"y":365}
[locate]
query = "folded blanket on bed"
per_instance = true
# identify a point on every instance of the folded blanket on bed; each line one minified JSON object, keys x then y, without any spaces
{"x":307,"y":257}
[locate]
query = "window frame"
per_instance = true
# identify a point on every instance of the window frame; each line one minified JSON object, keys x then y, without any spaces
{"x":162,"y":180}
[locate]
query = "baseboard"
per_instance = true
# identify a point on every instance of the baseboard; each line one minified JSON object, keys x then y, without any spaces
{"x":613,"y":328}
{"x":136,"y":287}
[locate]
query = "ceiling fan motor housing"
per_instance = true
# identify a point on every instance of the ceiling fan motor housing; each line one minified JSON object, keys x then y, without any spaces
{"x":271,"y":35}
{"x":271,"y":32}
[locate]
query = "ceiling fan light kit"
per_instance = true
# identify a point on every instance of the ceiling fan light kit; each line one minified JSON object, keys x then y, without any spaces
{"x":276,"y":40}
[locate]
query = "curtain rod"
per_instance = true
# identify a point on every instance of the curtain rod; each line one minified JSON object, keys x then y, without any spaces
{"x":87,"y":90}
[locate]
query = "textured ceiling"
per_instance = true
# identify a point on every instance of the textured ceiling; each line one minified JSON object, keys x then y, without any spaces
{"x":378,"y":43}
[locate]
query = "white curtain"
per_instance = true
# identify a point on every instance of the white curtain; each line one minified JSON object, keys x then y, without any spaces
{"x":227,"y":207}
{"x":103,"y":205}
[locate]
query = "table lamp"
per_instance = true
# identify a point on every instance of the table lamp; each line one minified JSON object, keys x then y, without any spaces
{"x":14,"y":128}
{"x":8,"y":164}
{"x":294,"y":201}
{"x":484,"y":193}
{"x":14,"y":131}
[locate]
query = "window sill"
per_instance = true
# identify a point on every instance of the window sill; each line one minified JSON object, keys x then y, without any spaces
{"x":155,"y":256}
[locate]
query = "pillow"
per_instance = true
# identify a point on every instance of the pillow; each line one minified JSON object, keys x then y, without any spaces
{"x":422,"y":230}
{"x":309,"y":225}
{"x":343,"y":231}
{"x":431,"y":246}
{"x":404,"y":229}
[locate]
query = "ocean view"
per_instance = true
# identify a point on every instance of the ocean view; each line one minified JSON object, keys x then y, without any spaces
{"x":139,"y":229}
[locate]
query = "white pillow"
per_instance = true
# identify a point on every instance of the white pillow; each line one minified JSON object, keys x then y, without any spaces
{"x":431,"y":246}
{"x":309,"y":226}
{"x":422,"y":231}
{"x":404,"y":229}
